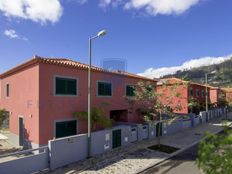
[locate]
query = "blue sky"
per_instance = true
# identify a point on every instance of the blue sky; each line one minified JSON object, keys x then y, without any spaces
{"x":147,"y":34}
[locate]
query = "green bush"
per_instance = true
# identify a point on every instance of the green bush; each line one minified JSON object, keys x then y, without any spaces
{"x":215,"y":153}
{"x":3,"y":116}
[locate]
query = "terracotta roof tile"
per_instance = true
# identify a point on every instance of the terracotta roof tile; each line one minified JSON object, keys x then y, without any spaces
{"x":68,"y":63}
{"x":173,"y":80}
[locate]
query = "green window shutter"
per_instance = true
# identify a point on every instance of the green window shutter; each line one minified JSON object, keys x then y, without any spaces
{"x":104,"y":89}
{"x":130,"y":90}
{"x":191,"y":92}
{"x":60,"y":86}
{"x":66,"y":128}
{"x":71,"y":87}
{"x":108,"y":89}
{"x":101,"y":88}
{"x":7,"y":90}
{"x":203,"y":93}
{"x":65,"y":86}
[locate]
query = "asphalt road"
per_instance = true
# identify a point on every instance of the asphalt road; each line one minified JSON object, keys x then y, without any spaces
{"x":183,"y":163}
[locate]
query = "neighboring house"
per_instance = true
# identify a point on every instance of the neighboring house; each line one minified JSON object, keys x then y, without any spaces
{"x":228,"y":95}
{"x":214,"y":95}
{"x":42,"y":94}
{"x":187,"y":91}
{"x":217,"y":96}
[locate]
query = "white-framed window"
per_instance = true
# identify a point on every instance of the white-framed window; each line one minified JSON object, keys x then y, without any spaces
{"x":65,"y":86}
{"x":104,"y":88}
{"x":64,"y":128}
{"x":130,"y":90}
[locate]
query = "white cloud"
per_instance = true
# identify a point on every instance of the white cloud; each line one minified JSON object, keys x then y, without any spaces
{"x":104,"y":3}
{"x":164,"y":7}
{"x":81,"y":2}
{"x":153,"y":7}
{"x":12,"y":34}
{"x":194,"y":63}
{"x":41,"y":11}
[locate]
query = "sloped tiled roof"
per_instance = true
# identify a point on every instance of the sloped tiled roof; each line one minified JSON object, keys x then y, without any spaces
{"x":171,"y":81}
{"x":68,"y":63}
{"x":174,"y":80}
{"x":227,"y":89}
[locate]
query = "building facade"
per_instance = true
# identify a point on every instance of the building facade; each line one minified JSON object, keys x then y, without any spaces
{"x":228,"y":95}
{"x":179,"y":94}
{"x":42,"y":94}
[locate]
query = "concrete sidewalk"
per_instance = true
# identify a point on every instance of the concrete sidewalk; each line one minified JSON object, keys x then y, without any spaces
{"x":137,"y":157}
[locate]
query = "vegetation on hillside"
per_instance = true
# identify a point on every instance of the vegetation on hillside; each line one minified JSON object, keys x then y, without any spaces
{"x":218,"y":74}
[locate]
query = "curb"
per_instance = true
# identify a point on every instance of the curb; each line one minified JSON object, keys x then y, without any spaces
{"x":175,"y":153}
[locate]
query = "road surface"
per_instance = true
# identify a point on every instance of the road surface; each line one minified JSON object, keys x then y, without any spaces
{"x":183,"y":163}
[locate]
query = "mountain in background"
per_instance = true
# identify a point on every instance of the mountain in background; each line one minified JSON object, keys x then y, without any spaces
{"x":218,"y":75}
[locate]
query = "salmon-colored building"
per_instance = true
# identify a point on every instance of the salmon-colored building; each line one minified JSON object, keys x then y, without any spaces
{"x":214,"y":95}
{"x":42,"y":94}
{"x":178,"y":93}
{"x":228,"y":95}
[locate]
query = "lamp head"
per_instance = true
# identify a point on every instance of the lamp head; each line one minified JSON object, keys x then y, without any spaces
{"x":101,"y":33}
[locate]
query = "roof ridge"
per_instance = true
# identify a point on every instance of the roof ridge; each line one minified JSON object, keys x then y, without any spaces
{"x":69,"y":63}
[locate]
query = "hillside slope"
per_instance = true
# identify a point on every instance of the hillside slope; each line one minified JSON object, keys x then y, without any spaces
{"x":218,"y":75}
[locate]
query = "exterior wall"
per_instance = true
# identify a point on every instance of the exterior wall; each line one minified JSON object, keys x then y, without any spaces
{"x":34,"y":163}
{"x":23,"y":101}
{"x":64,"y":150}
{"x":229,"y":97}
{"x":182,"y":100}
{"x":214,"y":96}
{"x":167,"y":92}
{"x":199,"y":98}
{"x":62,"y":107}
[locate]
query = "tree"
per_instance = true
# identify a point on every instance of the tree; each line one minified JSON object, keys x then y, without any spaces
{"x":3,"y":117}
{"x":154,"y":105}
{"x":97,"y":117}
{"x":193,"y":104}
{"x":215,"y":153}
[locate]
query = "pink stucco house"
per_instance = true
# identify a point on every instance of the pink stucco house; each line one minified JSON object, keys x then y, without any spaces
{"x":187,"y":91}
{"x":42,"y":94}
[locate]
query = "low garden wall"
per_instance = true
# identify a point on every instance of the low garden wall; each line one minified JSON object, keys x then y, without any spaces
{"x":63,"y":151}
{"x":31,"y":161}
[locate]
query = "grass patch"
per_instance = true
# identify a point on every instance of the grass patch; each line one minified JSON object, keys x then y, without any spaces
{"x":163,"y":148}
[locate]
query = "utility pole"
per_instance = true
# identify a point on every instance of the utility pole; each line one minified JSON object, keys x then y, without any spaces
{"x":206,"y":95}
{"x":206,"y":90}
{"x":101,"y":33}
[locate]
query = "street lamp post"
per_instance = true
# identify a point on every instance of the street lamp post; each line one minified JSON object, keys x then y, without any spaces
{"x":206,"y":96}
{"x":206,"y":89}
{"x":101,"y":33}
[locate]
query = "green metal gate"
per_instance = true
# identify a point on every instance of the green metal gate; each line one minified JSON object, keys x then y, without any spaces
{"x":159,"y":132}
{"x":116,"y":138}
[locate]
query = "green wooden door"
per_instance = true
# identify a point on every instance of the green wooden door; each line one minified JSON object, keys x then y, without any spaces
{"x":157,"y":129}
{"x":21,"y":131}
{"x":116,"y":138}
{"x":66,"y":128}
